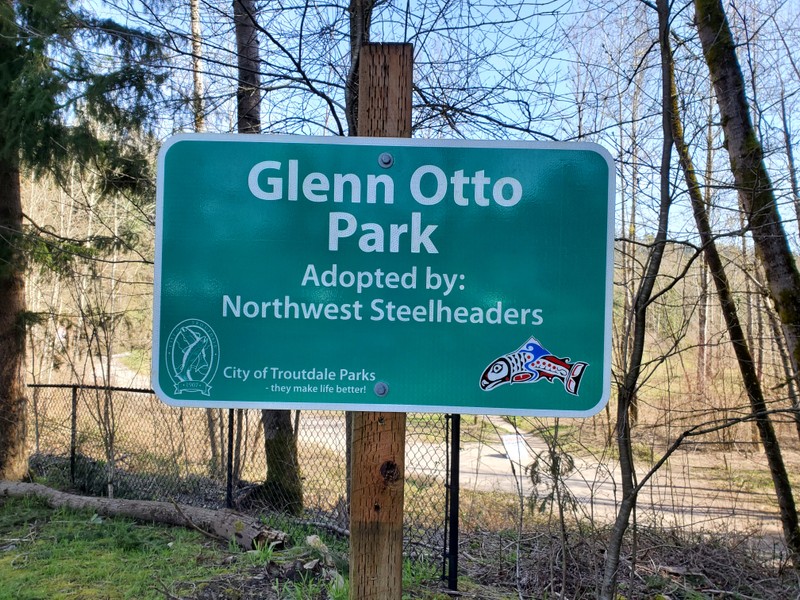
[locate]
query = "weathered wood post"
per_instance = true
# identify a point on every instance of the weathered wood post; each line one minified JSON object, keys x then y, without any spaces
{"x":378,"y":447}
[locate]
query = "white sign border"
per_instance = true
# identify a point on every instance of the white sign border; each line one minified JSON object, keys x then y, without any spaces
{"x":384,"y":141}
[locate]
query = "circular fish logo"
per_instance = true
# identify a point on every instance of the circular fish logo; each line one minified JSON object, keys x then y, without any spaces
{"x":192,"y":356}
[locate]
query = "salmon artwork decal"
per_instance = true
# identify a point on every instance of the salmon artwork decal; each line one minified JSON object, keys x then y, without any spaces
{"x":532,"y":362}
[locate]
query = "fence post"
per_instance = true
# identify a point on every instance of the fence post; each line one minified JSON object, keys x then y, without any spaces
{"x":229,"y":477}
{"x":445,"y":537}
{"x":455,"y":467}
{"x":73,"y":441}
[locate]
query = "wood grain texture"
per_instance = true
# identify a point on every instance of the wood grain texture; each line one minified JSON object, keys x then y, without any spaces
{"x":248,"y":532}
{"x":376,"y":510}
{"x":384,"y":75}
{"x":378,"y":449}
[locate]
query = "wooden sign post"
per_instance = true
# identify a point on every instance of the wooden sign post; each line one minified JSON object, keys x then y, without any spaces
{"x":378,"y":446}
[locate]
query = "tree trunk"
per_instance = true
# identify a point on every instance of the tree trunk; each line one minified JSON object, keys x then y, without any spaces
{"x":198,"y":110}
{"x":282,"y":489}
{"x":13,"y":404}
{"x":360,"y":20}
{"x":629,"y":385}
{"x":702,"y":335}
{"x":247,"y":532}
{"x":785,"y":369}
{"x":744,"y":357}
{"x":787,"y":139}
{"x":703,"y":347}
{"x":749,"y":172}
{"x":237,"y":446}
{"x":215,"y":467}
{"x":248,"y":92}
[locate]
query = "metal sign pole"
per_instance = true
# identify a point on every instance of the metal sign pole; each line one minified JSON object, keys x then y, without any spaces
{"x":455,"y":466}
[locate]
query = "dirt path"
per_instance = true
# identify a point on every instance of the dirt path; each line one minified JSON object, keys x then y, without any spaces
{"x":690,"y":490}
{"x":686,"y":492}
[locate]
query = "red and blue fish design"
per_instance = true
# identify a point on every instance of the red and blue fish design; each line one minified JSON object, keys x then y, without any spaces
{"x":532,"y":362}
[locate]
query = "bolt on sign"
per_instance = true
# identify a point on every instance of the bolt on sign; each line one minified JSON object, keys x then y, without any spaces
{"x":383,"y":274}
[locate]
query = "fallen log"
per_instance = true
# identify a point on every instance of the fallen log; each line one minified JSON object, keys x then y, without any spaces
{"x":248,"y":532}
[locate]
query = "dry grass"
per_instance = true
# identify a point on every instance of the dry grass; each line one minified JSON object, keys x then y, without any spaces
{"x":664,"y":564}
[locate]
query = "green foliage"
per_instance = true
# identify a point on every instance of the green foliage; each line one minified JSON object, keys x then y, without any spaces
{"x":58,"y":554}
{"x":91,"y":477}
{"x":419,"y":574}
{"x":549,"y":469}
{"x":52,"y":255}
{"x":262,"y":555}
{"x":138,"y":360}
{"x":750,"y":480}
{"x":67,"y":80}
{"x":45,"y":249}
{"x":307,"y":587}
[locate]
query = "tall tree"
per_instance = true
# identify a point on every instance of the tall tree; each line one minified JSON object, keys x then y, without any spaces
{"x":198,"y":105}
{"x":214,"y":417}
{"x":57,"y":94}
{"x":742,"y":349}
{"x":629,"y":384}
{"x":749,"y":170}
{"x":248,"y":94}
{"x":282,"y":488}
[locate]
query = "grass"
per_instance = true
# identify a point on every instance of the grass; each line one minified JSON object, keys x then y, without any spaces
{"x":749,"y":480}
{"x":475,"y":427}
{"x":483,"y":510}
{"x":64,"y":554}
{"x":60,"y":554}
{"x":421,"y":580}
{"x":54,"y":554}
{"x":137,"y":360}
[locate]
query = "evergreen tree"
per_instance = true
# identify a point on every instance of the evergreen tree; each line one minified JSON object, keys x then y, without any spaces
{"x":67,"y":78}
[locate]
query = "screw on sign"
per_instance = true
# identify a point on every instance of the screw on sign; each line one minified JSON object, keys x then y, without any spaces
{"x":326,"y":260}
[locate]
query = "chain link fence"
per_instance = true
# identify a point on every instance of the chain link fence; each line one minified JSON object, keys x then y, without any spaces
{"x":125,"y":443}
{"x":515,"y":473}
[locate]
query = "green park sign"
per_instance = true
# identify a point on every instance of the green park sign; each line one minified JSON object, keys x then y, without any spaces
{"x":383,"y":274}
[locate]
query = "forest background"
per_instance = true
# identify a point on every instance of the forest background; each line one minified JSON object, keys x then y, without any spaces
{"x":705,"y":322}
